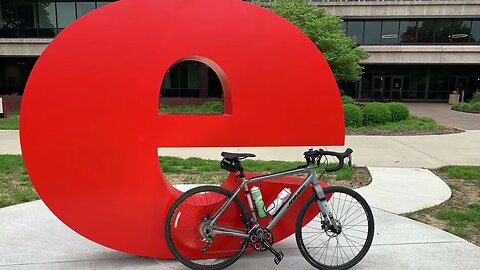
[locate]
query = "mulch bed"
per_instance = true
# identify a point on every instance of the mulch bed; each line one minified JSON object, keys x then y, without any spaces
{"x":361,"y":178}
{"x":379,"y":132}
{"x":464,"y":192}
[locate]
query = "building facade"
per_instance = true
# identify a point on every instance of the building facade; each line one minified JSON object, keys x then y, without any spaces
{"x":28,"y":26}
{"x":421,"y":50}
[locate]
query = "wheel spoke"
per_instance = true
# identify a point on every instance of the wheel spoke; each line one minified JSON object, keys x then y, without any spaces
{"x":350,"y":245}
{"x":186,"y":226}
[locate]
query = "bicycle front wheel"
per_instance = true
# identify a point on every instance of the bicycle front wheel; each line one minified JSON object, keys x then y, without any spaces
{"x":325,"y":248}
{"x":186,"y":228}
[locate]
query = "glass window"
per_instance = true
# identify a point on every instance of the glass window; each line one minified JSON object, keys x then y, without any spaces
{"x":390,"y":32}
{"x":65,"y":13}
{"x":425,"y":30}
{"x":183,"y":74}
{"x":355,"y":30}
{"x":408,"y":31}
{"x":101,"y":4}
{"x":438,"y":81}
{"x":193,"y":74}
{"x":84,"y":8}
{"x":373,"y":30}
{"x":475,"y":34}
{"x":47,"y":33}
{"x":26,"y":14}
{"x":443,"y":31}
{"x":461,"y":31}
{"x":9,"y":16}
{"x":47,"y":16}
{"x":418,"y":83}
{"x":13,"y":73}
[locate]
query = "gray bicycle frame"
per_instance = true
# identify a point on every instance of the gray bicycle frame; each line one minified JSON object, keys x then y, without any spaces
{"x":312,"y":178}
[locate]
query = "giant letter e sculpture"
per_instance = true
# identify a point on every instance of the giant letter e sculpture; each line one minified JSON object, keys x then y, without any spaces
{"x":90,"y":125}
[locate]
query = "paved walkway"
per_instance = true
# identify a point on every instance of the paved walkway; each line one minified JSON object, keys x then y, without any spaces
{"x":443,"y":114}
{"x":403,"y":190}
{"x":387,"y":151}
{"x":33,"y":238}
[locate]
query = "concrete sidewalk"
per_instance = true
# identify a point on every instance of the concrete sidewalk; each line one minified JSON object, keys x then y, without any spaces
{"x":388,"y":151}
{"x":404,"y":190}
{"x":442,"y":113}
{"x":33,"y":238}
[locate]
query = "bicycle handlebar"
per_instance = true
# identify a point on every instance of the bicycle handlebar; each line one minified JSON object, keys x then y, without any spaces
{"x":313,"y":156}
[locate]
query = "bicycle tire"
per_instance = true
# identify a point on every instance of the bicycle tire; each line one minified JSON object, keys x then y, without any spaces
{"x":182,"y":251}
{"x":308,"y":233}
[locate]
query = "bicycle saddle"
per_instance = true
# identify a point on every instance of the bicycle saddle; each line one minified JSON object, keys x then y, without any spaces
{"x":236,"y":155}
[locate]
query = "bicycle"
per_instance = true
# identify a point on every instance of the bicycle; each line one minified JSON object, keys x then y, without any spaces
{"x":202,"y":228}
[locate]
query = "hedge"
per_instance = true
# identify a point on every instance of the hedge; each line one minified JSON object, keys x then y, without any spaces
{"x":467,"y":107}
{"x":399,"y":111}
{"x":347,"y":100}
{"x":353,"y":115}
{"x":376,"y":114}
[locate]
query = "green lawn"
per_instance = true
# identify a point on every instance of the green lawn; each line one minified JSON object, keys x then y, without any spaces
{"x":11,"y":122}
{"x":463,"y":172}
{"x":460,"y":221}
{"x":15,"y":186}
{"x":420,"y":124}
{"x":459,"y":215}
{"x":196,"y":170}
{"x":210,"y":107}
{"x":413,"y":124}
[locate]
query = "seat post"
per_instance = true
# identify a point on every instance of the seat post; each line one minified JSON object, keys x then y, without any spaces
{"x":242,"y":175}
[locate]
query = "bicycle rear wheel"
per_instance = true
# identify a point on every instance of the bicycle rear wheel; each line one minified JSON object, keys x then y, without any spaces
{"x":325,"y":249}
{"x":186,"y":225}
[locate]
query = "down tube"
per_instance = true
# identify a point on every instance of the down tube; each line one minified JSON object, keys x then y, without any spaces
{"x":311,"y":177}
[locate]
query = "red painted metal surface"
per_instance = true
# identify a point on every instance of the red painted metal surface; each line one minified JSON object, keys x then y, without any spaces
{"x":90,"y":125}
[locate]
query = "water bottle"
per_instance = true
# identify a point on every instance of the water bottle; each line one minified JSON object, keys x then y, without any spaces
{"x":257,"y":197}
{"x":279,"y":201}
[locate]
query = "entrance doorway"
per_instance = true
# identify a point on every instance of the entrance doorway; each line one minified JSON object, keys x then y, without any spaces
{"x":396,"y":90}
{"x":387,"y":86}
{"x":378,"y":88}
{"x":461,"y":84}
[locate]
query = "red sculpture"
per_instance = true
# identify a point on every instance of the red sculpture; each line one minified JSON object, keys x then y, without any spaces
{"x":90,"y":125}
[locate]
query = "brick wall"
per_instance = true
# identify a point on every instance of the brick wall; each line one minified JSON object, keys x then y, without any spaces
{"x":12,"y":103}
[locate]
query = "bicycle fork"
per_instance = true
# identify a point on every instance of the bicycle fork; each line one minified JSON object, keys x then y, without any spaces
{"x":325,"y":207}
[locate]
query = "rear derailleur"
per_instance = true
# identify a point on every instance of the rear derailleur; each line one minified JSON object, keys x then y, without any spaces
{"x":261,"y":239}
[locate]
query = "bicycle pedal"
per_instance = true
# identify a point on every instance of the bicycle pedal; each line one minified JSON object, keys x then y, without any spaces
{"x":278,"y":257}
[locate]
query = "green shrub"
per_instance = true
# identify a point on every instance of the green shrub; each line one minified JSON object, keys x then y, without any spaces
{"x":347,"y":100}
{"x":476,"y":97}
{"x":465,"y":106}
{"x":376,"y":114}
{"x":476,"y":107}
{"x":456,"y":107}
{"x":399,"y":111}
{"x":213,"y":106}
{"x":462,"y":106}
{"x":353,"y":115}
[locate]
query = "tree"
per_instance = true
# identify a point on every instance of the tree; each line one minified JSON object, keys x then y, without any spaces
{"x":325,"y":30}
